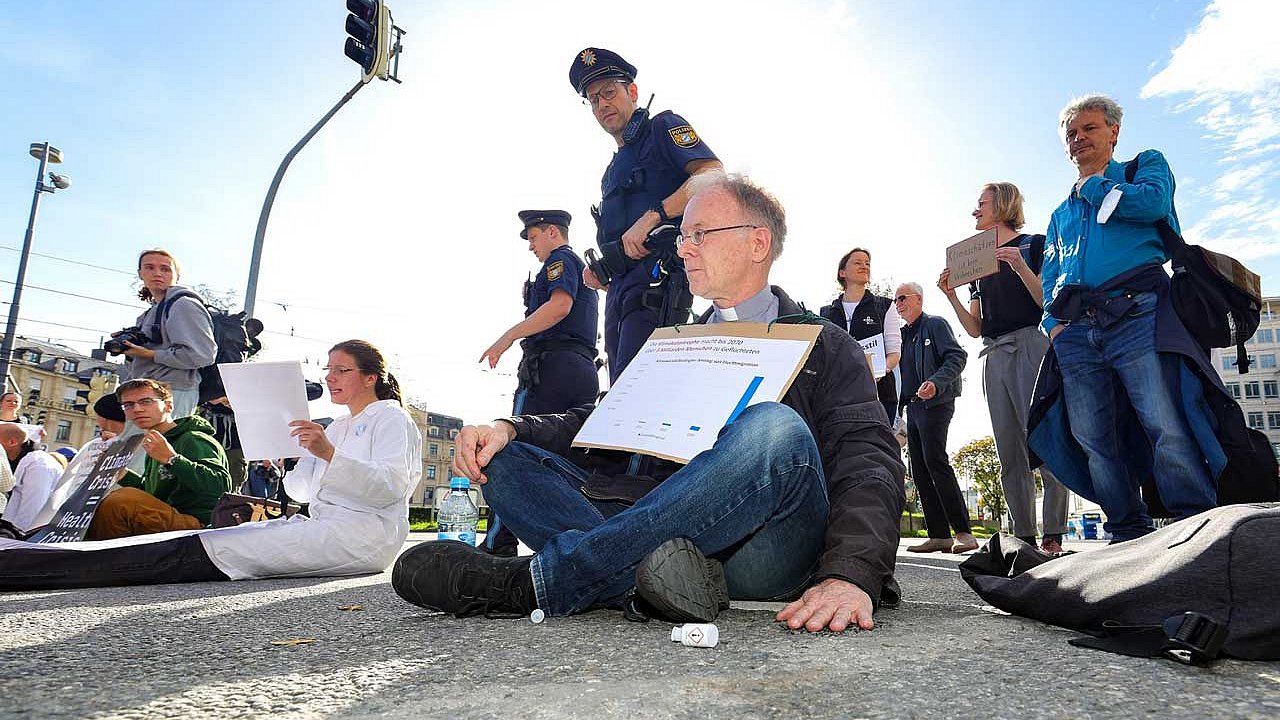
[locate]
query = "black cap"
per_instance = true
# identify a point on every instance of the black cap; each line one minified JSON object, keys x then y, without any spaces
{"x":108,"y":406}
{"x":595,"y":63}
{"x":538,"y":217}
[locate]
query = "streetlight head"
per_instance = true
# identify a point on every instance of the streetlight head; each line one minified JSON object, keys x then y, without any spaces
{"x":62,"y":182}
{"x":37,"y":151}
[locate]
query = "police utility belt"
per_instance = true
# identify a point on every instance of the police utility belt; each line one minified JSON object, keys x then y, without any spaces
{"x":528,"y":374}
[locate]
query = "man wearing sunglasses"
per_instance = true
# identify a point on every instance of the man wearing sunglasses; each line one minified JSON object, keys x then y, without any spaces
{"x":931,"y":364}
{"x":796,"y":501}
{"x":645,"y":186}
{"x":186,"y":470}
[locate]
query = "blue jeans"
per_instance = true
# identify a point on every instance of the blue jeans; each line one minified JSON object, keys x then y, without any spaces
{"x":1104,"y":367}
{"x":757,"y":501}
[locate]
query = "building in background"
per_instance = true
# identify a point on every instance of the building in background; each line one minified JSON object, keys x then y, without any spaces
{"x":58,"y":387}
{"x":1257,"y":391}
{"x":438,"y":435}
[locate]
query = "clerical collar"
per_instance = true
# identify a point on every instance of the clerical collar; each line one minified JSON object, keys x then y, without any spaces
{"x":761,"y":307}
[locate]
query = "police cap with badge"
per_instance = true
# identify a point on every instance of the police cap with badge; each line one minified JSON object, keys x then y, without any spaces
{"x":595,"y":63}
{"x":532,"y":218}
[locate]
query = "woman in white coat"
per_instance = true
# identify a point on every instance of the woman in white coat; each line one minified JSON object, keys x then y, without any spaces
{"x":357,"y":478}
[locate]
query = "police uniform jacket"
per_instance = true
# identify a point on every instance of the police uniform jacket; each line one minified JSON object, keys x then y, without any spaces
{"x":563,"y":271}
{"x":835,"y":396}
{"x":647,"y":170}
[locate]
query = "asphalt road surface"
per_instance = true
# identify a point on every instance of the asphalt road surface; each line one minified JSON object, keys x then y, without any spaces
{"x":357,"y":651}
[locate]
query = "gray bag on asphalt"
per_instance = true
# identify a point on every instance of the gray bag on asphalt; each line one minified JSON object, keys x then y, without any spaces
{"x":1206,"y":584}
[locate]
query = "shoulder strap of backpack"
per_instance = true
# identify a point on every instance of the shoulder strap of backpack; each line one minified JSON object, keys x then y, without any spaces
{"x":1177,"y":250}
{"x":1174,"y":246}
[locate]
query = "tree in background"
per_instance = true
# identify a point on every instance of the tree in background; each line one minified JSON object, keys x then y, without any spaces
{"x":978,"y":461}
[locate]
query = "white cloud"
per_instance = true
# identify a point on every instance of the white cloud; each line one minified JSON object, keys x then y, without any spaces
{"x":1228,"y":71}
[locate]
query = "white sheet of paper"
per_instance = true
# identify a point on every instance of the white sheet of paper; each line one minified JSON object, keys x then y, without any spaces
{"x":874,"y":346}
{"x":266,"y":397}
{"x":683,"y":387}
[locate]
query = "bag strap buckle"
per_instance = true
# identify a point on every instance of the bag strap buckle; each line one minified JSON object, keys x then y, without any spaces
{"x":1194,"y":639}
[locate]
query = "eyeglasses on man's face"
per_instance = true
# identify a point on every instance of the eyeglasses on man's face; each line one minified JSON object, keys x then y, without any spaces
{"x":696,"y":237}
{"x":903,"y":298}
{"x":607,"y":93}
{"x":140,"y":403}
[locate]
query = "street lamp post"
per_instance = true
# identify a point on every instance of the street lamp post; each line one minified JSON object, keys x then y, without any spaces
{"x":46,"y":154}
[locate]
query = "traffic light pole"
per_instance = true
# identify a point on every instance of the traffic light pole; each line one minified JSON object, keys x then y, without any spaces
{"x":11,"y":328}
{"x":251,"y":292}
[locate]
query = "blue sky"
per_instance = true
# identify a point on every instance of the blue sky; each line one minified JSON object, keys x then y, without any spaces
{"x":875,"y":123}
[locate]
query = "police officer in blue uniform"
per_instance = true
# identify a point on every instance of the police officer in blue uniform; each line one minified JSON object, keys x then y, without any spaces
{"x":643,"y":194}
{"x":558,"y":369}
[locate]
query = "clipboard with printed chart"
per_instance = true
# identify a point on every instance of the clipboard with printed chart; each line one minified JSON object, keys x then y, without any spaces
{"x":972,"y":258}
{"x":689,"y":381}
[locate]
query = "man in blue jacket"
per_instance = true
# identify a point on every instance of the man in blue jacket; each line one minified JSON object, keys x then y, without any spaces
{"x":931,"y":364}
{"x":1103,"y":284}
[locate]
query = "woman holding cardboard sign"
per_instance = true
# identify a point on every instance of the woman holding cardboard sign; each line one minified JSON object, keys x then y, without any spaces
{"x":356,"y":475}
{"x":1004,"y":310}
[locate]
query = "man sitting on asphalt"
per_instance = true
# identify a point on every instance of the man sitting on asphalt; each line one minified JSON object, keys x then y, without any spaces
{"x":35,"y":473}
{"x":186,"y":470}
{"x":806,"y":493}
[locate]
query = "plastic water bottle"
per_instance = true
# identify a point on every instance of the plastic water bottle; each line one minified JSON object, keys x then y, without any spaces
{"x":458,"y":516}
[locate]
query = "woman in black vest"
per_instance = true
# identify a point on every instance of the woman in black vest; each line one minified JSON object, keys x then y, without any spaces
{"x":872,"y":321}
{"x":1004,"y":309}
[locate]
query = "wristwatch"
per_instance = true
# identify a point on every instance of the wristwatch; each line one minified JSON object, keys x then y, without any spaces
{"x":170,"y":463}
{"x":662,"y":212}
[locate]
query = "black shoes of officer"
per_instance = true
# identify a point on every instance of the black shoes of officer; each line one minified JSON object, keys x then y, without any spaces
{"x":681,"y":584}
{"x":455,"y":577}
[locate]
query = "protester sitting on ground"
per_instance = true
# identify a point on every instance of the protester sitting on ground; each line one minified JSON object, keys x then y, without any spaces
{"x":806,"y":493}
{"x":35,"y":473}
{"x":1004,"y":309}
{"x":867,"y":315}
{"x":932,"y":361}
{"x":110,"y":418}
{"x":185,"y":470}
{"x":356,"y":477}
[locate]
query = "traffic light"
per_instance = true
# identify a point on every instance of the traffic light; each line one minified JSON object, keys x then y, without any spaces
{"x":83,"y":401}
{"x":369,"y":28}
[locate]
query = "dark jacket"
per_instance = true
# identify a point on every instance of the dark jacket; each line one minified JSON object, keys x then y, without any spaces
{"x":197,"y":477}
{"x":835,"y":396}
{"x":1239,"y":460}
{"x":931,"y":348}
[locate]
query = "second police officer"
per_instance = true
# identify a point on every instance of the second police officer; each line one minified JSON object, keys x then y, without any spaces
{"x":645,"y":187}
{"x":558,"y":369}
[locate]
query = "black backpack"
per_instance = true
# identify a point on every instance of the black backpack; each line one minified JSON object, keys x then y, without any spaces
{"x":235,"y":334}
{"x":1196,"y":588}
{"x":1218,"y":299}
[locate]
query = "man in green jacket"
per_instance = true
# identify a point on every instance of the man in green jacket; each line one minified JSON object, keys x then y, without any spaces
{"x":185,"y":474}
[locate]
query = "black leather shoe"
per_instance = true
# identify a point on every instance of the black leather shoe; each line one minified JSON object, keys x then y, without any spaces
{"x":455,"y":577}
{"x":681,"y":584}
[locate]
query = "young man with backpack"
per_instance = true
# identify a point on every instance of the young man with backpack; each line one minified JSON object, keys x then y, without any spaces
{"x":1119,"y":347}
{"x":177,"y":336}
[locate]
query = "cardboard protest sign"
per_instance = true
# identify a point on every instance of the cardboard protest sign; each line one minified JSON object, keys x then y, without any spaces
{"x":72,"y":519}
{"x":972,"y":258}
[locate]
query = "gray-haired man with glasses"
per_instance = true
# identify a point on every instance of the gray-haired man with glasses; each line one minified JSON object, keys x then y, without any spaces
{"x":931,"y":364}
{"x":796,"y":501}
